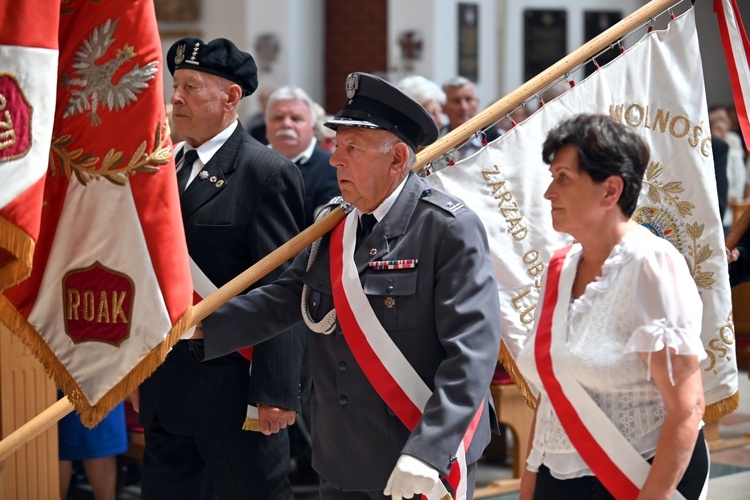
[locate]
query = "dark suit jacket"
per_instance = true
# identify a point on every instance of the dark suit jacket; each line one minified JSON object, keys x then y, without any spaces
{"x":256,"y":127}
{"x":444,"y":316}
{"x":739,"y":270}
{"x":321,"y":184}
{"x":229,"y":226}
{"x":721,"y":154}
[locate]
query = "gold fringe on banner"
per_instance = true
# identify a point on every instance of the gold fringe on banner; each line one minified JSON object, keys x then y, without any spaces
{"x":251,"y":424}
{"x":510,"y":366}
{"x":90,"y":414}
{"x":18,"y":247}
{"x":721,"y":408}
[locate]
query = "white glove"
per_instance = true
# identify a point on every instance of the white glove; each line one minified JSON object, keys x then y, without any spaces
{"x":411,"y":476}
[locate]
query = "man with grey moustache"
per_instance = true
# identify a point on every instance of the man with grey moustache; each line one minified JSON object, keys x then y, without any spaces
{"x":290,"y":129}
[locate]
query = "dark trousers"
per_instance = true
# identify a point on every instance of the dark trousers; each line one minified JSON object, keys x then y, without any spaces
{"x":589,"y":487}
{"x":247,"y":465}
{"x":330,"y":492}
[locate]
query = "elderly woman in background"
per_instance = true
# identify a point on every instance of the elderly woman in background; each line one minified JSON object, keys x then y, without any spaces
{"x":616,"y":350}
{"x":427,"y":93}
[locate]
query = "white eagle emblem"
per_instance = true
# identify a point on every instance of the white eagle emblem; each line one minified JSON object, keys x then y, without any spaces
{"x":94,"y":81}
{"x":352,"y":85}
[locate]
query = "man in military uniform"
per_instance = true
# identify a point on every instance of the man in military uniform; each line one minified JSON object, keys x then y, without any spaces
{"x":401,"y":374}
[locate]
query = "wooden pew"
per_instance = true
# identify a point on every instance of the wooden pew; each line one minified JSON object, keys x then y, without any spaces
{"x":512,"y":411}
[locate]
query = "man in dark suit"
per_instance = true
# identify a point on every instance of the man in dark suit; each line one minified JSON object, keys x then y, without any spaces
{"x":256,"y":124}
{"x":401,"y":366}
{"x":721,"y":156}
{"x":240,"y":201}
{"x":290,"y":128}
{"x":739,"y":261}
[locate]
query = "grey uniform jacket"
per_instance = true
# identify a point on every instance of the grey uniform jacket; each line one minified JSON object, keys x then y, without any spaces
{"x":444,"y":316}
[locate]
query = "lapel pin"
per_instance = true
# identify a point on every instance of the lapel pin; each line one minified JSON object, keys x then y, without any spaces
{"x":212,"y":179}
{"x":220,"y":183}
{"x":203,"y":175}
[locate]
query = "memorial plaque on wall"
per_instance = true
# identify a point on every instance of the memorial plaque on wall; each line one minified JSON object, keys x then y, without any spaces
{"x":596,"y":22}
{"x":177,"y":10}
{"x":468,"y":41}
{"x":544,"y":40}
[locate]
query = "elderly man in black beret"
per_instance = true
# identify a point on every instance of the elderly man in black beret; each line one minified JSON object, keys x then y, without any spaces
{"x":403,"y":302}
{"x":215,"y":429}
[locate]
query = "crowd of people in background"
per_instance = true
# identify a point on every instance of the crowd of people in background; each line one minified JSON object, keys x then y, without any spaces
{"x":730,"y":160}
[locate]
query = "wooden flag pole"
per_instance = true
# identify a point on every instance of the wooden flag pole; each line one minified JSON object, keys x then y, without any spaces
{"x":492,"y":114}
{"x":34,"y":427}
{"x":266,"y":265}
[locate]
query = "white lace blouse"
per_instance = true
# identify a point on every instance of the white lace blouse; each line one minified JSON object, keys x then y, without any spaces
{"x":644,"y":299}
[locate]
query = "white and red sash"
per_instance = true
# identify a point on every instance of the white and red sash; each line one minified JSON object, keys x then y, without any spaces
{"x":737,"y":52}
{"x":202,"y":288}
{"x":614,"y":461}
{"x":384,"y":365}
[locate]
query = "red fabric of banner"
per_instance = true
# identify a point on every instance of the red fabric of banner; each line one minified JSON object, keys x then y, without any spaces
{"x":109,"y":130}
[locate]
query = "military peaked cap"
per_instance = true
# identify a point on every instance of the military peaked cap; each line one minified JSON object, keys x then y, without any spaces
{"x":375,"y":103}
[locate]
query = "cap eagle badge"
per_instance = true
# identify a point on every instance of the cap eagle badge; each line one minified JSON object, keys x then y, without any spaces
{"x":352,"y":84}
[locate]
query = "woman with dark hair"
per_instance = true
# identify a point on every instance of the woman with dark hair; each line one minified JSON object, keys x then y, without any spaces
{"x":616,"y":350}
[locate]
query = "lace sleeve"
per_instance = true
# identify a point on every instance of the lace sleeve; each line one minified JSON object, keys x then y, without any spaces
{"x":666,"y":310}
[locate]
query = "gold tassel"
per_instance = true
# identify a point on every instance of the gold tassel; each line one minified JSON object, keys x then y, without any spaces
{"x":721,"y":408}
{"x":510,"y":366}
{"x":251,"y":424}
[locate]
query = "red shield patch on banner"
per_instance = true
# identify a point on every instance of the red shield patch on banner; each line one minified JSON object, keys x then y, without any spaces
{"x":15,"y":119}
{"x":98,"y":304}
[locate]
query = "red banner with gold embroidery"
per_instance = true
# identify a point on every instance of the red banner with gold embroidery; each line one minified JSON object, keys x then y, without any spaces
{"x":28,"y":66}
{"x":110,"y":288}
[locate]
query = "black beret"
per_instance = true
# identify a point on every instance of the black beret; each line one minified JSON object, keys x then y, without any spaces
{"x":375,"y":103}
{"x":218,"y":57}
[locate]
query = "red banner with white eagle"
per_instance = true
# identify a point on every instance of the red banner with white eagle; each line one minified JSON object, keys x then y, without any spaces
{"x":110,"y":288}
